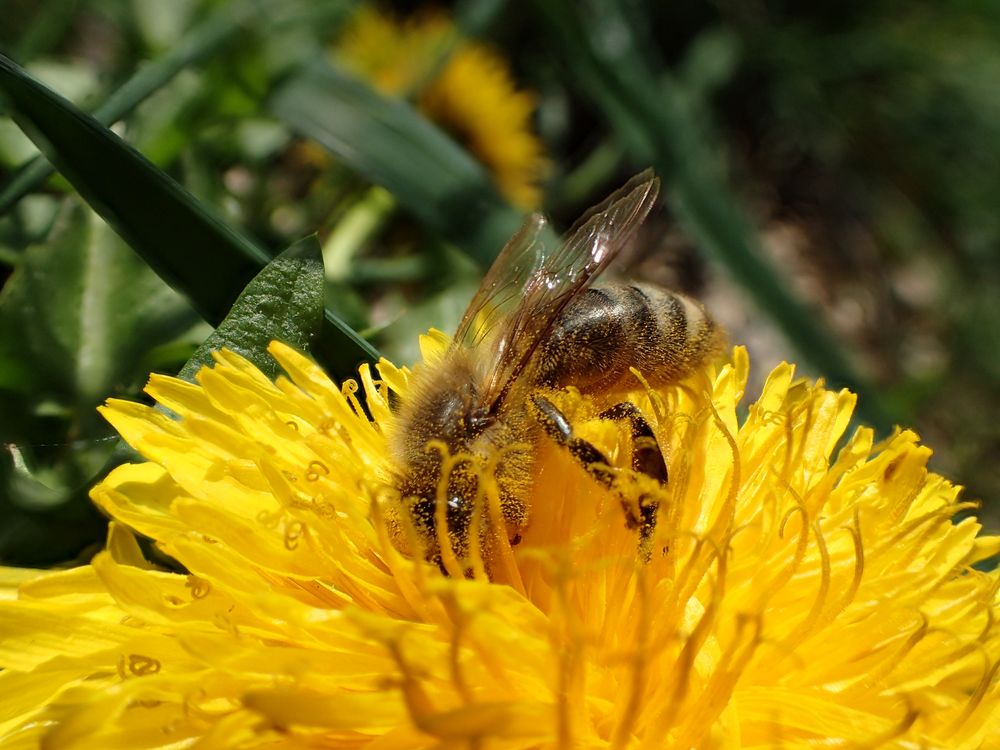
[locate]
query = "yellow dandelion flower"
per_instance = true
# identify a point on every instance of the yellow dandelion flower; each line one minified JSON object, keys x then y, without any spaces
{"x":472,"y":95}
{"x":474,"y":99}
{"x":397,"y":56}
{"x":798,"y":596}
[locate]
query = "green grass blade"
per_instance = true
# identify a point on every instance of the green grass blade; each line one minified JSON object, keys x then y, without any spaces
{"x":179,"y":237}
{"x":174,"y":233}
{"x":389,"y":143}
{"x":206,"y":39}
{"x":203,"y":41}
{"x":45,"y":29}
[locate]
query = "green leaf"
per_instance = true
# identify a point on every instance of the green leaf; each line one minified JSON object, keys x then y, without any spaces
{"x":174,"y":233}
{"x":47,"y":516}
{"x":45,"y":538}
{"x":80,"y":312}
{"x":179,"y":237}
{"x":283,"y":302}
{"x":391,"y":144}
{"x":79,"y":319}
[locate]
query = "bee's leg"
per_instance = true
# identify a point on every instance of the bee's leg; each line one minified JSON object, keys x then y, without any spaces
{"x":647,"y":458}
{"x":557,"y":427}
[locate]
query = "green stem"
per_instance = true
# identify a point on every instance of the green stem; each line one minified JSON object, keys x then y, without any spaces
{"x":361,"y":222}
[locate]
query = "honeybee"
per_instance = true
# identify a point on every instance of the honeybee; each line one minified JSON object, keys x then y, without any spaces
{"x":536,"y":325}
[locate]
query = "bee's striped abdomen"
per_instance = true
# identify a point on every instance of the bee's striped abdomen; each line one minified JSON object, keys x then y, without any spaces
{"x":610,"y":328}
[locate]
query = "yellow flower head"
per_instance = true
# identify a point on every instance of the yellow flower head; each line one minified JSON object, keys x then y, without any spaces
{"x":797,"y":596}
{"x":470,"y":93}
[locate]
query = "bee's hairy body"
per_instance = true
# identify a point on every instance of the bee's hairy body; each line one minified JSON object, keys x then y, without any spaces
{"x":445,"y":406}
{"x":590,"y":345}
{"x":608,"y":329}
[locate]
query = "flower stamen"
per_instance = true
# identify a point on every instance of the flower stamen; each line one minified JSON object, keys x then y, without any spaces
{"x":990,"y":672}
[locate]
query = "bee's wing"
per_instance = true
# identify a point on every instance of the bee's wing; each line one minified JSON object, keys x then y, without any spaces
{"x":527,"y":286}
{"x":499,"y":294}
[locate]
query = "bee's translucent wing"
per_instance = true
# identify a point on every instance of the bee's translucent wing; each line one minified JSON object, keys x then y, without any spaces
{"x":527,"y":286}
{"x":499,"y":294}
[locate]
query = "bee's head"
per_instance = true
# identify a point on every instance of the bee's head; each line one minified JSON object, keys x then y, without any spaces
{"x":452,"y":415}
{"x":457,"y":498}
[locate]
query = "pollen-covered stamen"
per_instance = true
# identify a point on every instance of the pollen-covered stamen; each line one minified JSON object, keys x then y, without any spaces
{"x":859,"y":571}
{"x":727,"y":513}
{"x":807,"y":627}
{"x":628,"y":710}
{"x":986,"y":685}
{"x":418,"y":703}
{"x":704,"y":711}
{"x":694,"y":572}
{"x":900,"y":728}
{"x":568,"y":640}
{"x":447,"y":506}
{"x":677,"y":701}
{"x":895,"y":656}
{"x":350,"y":389}
{"x":409,"y":573}
{"x":460,"y":622}
{"x":789,"y":569}
{"x":503,"y":567}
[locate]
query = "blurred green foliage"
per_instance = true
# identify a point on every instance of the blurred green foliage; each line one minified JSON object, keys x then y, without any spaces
{"x":832,"y":169}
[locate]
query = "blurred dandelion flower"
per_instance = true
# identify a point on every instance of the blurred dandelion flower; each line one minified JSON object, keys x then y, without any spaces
{"x":465,"y":87}
{"x":797,"y":597}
